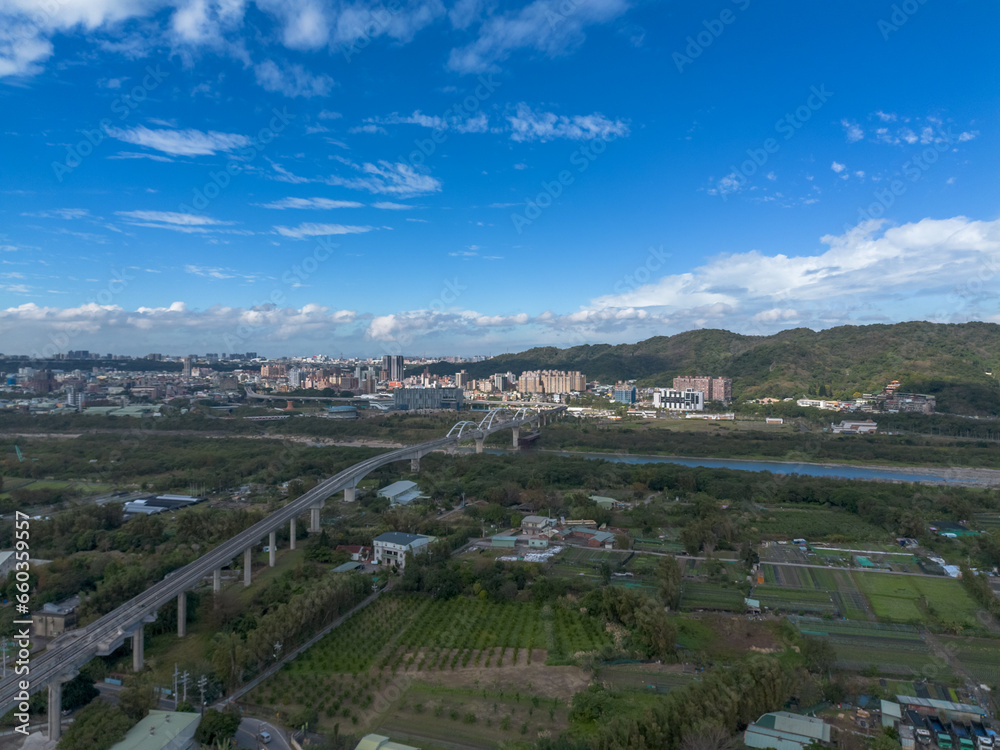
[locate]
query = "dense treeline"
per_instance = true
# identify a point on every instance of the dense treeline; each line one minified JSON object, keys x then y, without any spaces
{"x":237,"y":654}
{"x":640,"y":439}
{"x":720,"y":704}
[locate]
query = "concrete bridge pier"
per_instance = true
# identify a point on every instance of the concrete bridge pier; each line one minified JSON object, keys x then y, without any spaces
{"x":314,"y":520}
{"x":479,"y":445}
{"x":55,"y":710}
{"x":350,"y":495}
{"x":291,"y":531}
{"x":247,"y":553}
{"x":517,"y":435}
{"x":415,"y":464}
{"x":272,"y":549}
{"x":182,"y":614}
{"x":217,"y":580}
{"x":137,"y":648}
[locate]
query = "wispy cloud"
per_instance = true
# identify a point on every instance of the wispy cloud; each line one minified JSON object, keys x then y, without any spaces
{"x":292,"y":80}
{"x":529,"y":125}
{"x":322,"y":204}
{"x":319,"y":230}
{"x":188,"y":142}
{"x":551,"y":27}
{"x":388,"y":178}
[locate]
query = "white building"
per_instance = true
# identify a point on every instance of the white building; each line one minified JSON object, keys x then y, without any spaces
{"x":675,"y":400}
{"x":851,"y":427}
{"x":391,"y":547}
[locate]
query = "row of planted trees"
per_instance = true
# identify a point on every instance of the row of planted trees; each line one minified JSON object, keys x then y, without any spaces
{"x":236,"y":655}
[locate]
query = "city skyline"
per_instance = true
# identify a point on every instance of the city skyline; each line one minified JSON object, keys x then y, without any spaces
{"x":430,"y":178}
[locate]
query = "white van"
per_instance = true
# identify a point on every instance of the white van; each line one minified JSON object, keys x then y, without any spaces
{"x":264,"y":737}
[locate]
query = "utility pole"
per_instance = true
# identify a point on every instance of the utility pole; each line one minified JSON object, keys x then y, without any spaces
{"x":202,"y":683}
{"x":175,"y":686}
{"x":184,"y":677}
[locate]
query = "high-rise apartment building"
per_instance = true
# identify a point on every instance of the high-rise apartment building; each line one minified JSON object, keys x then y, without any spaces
{"x":394,"y":366}
{"x":551,"y":381}
{"x":715,"y":389}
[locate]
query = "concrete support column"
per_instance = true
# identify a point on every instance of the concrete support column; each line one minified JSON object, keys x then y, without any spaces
{"x":479,"y":445}
{"x":517,"y":435}
{"x":415,"y":464}
{"x":55,"y":710}
{"x":137,"y":648}
{"x":247,"y":554}
{"x":291,"y":532}
{"x":314,"y":519}
{"x":182,"y":614}
{"x":350,"y":495}
{"x":272,"y":541}
{"x":217,"y":580}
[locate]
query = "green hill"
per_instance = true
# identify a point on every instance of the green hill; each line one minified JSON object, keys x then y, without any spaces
{"x":947,"y":360}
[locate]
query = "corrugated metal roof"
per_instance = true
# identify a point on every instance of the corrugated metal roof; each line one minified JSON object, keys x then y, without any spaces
{"x":399,"y":537}
{"x":758,"y":736}
{"x":912,"y":700}
{"x":396,"y":488}
{"x":161,"y":730}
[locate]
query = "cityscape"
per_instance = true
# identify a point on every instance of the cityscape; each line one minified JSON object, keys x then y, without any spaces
{"x":467,"y":375}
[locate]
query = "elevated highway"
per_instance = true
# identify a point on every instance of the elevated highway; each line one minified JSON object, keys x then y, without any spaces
{"x":65,"y":655}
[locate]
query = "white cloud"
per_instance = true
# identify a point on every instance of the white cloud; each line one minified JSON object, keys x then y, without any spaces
{"x":309,"y":229}
{"x":479,"y":123}
{"x":902,"y":273}
{"x":292,"y":80}
{"x":59,"y":213}
{"x":188,"y":142}
{"x":388,"y":178}
{"x":171,"y":217}
{"x":854,"y":131}
{"x":390,"y":206}
{"x":551,"y":27}
{"x":528,"y":125}
{"x":838,"y":167}
{"x":322,"y":204}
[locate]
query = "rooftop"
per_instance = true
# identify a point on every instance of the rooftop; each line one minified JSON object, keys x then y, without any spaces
{"x":399,"y":537}
{"x":161,"y":730}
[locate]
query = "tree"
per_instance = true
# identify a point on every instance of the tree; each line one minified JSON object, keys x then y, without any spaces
{"x":669,"y":577}
{"x":138,"y":697}
{"x":96,"y":727}
{"x":217,"y":726}
{"x":605,"y":572}
{"x":708,"y":736}
{"x":78,"y":692}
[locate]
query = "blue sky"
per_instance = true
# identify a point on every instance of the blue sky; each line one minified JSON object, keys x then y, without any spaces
{"x":317,"y":176}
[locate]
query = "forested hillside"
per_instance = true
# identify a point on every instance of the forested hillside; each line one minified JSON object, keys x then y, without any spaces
{"x":947,"y":360}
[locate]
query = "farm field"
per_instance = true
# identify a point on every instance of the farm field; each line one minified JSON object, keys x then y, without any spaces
{"x":803,"y":601}
{"x":897,"y":598}
{"x":405,"y":638}
{"x":979,"y":656}
{"x":697,"y":595}
{"x":848,"y":601}
{"x":860,"y":646}
{"x":815,"y":524}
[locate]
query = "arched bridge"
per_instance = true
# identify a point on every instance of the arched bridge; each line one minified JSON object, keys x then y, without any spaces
{"x":65,"y":655}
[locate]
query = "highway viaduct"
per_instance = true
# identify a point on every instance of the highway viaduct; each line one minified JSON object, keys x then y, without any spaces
{"x":64,"y":656}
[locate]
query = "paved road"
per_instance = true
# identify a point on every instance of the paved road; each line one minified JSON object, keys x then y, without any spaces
{"x":250,"y":729}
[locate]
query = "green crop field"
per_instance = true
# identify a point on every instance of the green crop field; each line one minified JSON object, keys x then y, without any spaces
{"x":795,"y":600}
{"x":899,"y":598}
{"x":815,"y":524}
{"x":888,"y":649}
{"x":979,"y":656}
{"x":696,"y":595}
